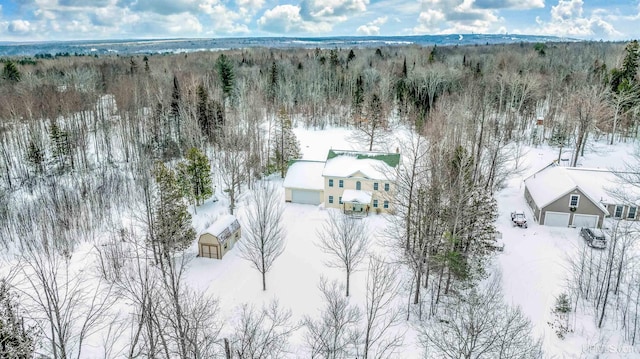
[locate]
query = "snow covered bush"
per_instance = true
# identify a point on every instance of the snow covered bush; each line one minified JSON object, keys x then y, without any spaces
{"x":560,"y":311}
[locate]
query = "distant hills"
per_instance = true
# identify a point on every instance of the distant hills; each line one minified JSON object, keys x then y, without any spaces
{"x":158,"y":46}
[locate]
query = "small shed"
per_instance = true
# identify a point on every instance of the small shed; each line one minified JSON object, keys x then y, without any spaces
{"x":219,"y":238}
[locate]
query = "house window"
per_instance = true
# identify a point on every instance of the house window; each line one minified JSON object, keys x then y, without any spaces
{"x":574,"y":200}
{"x":386,"y":187}
{"x":618,"y":212}
{"x":375,"y":203}
{"x":632,"y":212}
{"x":340,"y":199}
{"x":386,"y":204}
{"x":358,"y":185}
{"x":330,"y":199}
{"x":225,"y":246}
{"x":341,"y":183}
{"x":330,"y":183}
{"x":375,"y":186}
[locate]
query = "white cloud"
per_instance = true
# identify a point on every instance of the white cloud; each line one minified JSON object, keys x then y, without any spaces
{"x":455,"y":16}
{"x":373,"y":27}
{"x":20,"y":27}
{"x":331,"y":10}
{"x":368,"y":30}
{"x":287,"y":19}
{"x":311,"y":16}
{"x":248,"y":8}
{"x":568,"y":19}
{"x":509,"y":4}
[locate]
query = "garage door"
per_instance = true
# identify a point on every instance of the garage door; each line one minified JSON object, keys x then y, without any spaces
{"x":585,"y":220}
{"x":556,"y":219}
{"x":305,"y":197}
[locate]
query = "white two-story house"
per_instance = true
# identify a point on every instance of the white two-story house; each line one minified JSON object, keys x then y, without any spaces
{"x":354,"y":181}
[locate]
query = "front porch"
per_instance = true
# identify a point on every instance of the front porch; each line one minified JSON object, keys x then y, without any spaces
{"x":356,"y":203}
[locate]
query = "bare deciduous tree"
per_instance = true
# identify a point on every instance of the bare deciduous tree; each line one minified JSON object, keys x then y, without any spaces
{"x":381,"y":313}
{"x":66,"y":307}
{"x":264,"y":236}
{"x":345,"y":239}
{"x":334,"y":335}
{"x":478,"y":324}
{"x":262,"y":333}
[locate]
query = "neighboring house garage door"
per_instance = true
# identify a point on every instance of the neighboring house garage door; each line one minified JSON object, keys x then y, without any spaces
{"x":305,"y":196}
{"x":585,"y":220}
{"x":556,"y":219}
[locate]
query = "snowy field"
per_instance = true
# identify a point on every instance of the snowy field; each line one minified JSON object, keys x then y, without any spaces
{"x":533,"y":264}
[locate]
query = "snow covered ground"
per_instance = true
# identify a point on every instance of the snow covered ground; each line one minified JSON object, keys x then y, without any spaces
{"x":533,"y":264}
{"x":535,"y":260}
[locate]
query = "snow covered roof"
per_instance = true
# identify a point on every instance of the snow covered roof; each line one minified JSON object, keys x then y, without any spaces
{"x":352,"y":195}
{"x":600,"y":185}
{"x":305,"y":175}
{"x":372,"y":165}
{"x":223,"y":227}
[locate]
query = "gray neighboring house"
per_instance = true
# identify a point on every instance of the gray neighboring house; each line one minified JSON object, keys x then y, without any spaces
{"x":579,"y":197}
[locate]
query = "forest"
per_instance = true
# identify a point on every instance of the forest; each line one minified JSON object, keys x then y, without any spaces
{"x":111,"y":155}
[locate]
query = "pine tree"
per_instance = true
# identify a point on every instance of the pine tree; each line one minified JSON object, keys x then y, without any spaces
{"x":226,"y":74}
{"x":16,"y":340}
{"x":11,"y":72}
{"x":172,"y":229}
{"x":61,"y":149}
{"x":358,"y":98}
{"x":204,"y":113}
{"x":195,"y":176}
{"x":273,"y":83}
{"x":35,"y":156}
{"x":286,"y":146}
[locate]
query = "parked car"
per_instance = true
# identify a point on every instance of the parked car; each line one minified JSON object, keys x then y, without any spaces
{"x":519,"y":219}
{"x":595,"y":238}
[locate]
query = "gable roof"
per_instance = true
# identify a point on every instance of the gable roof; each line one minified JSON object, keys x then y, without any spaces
{"x":305,"y":175}
{"x":373,"y":165}
{"x":601,"y":186}
{"x":223,"y":227}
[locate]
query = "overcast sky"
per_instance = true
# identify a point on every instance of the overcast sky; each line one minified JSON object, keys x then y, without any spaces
{"x":22,"y":20}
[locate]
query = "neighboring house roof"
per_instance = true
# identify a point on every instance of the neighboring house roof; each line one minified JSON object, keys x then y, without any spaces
{"x":352,"y":195}
{"x":372,"y":165}
{"x":601,"y":186}
{"x":305,"y":175}
{"x":223,"y":227}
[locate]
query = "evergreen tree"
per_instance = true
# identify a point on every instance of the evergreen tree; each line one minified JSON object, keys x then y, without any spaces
{"x":16,"y":340}
{"x":286,"y":146}
{"x":358,"y":98}
{"x":61,"y":149}
{"x":631,"y":61}
{"x":195,"y":176}
{"x":203,"y":112}
{"x":273,"y":83}
{"x":35,"y":156}
{"x":133,"y":65}
{"x":11,"y":72}
{"x":226,"y":74}
{"x":171,"y":225}
{"x":350,"y":57}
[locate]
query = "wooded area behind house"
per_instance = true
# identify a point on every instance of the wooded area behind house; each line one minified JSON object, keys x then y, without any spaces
{"x":117,"y":151}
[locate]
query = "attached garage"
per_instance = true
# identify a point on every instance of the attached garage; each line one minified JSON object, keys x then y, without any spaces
{"x":556,"y":219}
{"x":304,"y":182}
{"x":306,"y":196}
{"x":585,"y":220}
